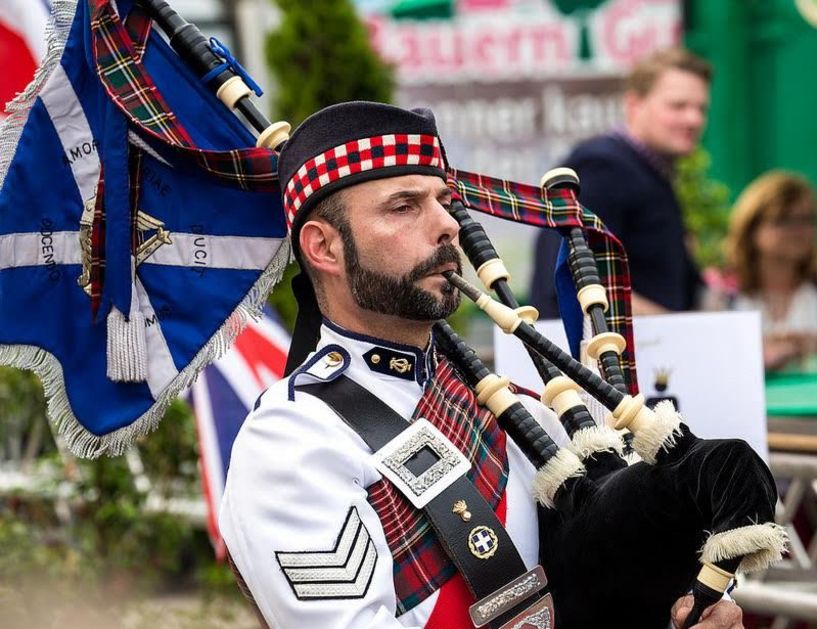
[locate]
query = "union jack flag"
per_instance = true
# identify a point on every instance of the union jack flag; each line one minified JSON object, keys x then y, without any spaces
{"x":222,"y":396}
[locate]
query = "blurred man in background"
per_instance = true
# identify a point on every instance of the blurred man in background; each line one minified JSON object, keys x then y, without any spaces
{"x":626,"y":179}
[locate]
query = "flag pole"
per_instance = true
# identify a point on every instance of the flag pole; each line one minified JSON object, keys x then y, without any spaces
{"x":215,"y":66}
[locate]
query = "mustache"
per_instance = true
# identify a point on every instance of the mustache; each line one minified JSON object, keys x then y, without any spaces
{"x":445,"y":254}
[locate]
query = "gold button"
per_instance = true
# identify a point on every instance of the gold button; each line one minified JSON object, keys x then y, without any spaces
{"x":375,"y":358}
{"x":333,"y":359}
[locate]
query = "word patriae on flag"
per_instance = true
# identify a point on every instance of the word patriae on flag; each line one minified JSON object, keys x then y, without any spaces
{"x":140,"y":229}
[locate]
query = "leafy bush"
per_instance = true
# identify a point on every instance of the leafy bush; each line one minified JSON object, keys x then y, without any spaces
{"x":705,"y":205}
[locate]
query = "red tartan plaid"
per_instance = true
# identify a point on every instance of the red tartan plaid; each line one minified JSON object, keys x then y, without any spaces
{"x":127,"y":83}
{"x":560,"y":209}
{"x":97,"y":272}
{"x":357,"y":156}
{"x":138,"y":25}
{"x":421,"y":566}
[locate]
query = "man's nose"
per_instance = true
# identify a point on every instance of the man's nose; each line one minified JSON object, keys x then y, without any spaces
{"x":695,"y":117}
{"x":448,"y":226}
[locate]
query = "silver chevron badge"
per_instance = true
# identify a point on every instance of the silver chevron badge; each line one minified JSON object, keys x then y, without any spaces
{"x":343,"y":572}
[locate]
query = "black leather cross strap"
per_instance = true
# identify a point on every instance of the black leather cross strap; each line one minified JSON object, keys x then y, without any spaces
{"x":377,"y":424}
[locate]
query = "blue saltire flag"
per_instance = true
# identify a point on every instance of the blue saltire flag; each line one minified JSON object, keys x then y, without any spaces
{"x":223,"y":395}
{"x":137,"y":233}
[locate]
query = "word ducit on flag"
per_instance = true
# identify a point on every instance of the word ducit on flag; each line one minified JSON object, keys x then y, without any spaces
{"x":138,"y":234}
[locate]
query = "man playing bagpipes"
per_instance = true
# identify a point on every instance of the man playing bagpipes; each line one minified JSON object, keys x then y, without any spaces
{"x":386,"y":482}
{"x":371,"y":488}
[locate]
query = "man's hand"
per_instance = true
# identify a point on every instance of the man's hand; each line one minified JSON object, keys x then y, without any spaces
{"x":721,"y":615}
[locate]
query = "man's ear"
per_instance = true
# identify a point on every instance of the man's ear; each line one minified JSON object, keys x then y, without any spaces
{"x":321,"y":247}
{"x":632,"y":106}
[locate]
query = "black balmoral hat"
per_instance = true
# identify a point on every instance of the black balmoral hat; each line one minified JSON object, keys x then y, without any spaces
{"x":337,"y":147}
{"x":349,"y":143}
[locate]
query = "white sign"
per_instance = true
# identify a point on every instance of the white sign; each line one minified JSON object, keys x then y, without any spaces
{"x":710,"y":363}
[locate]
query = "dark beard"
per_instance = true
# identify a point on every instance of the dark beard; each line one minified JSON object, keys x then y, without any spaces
{"x":399,"y":296}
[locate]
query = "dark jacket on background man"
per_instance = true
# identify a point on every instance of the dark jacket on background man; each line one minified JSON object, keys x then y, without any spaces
{"x":630,"y":189}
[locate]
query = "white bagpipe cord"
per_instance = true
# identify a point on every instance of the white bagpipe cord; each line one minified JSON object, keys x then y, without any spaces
{"x":602,"y":437}
{"x":597,"y":410}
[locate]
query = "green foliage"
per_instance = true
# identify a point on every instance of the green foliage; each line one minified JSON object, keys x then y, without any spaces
{"x":705,"y":206}
{"x":88,"y":523}
{"x":321,"y":55}
{"x":22,"y":404}
{"x":283,"y":301}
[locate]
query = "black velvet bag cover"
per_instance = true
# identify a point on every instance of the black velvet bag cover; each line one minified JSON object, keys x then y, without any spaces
{"x":619,"y":552}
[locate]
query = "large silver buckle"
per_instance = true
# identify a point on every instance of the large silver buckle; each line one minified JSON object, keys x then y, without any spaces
{"x":391,"y":459}
{"x":540,"y":615}
{"x":512,"y":594}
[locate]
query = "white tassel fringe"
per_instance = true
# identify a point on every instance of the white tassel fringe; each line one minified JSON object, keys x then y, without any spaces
{"x":127,"y":347}
{"x":660,"y":434}
{"x":588,"y":441}
{"x":760,"y":544}
{"x":551,"y":476}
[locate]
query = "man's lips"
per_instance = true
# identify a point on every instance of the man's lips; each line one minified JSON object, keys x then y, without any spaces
{"x":445,"y":268}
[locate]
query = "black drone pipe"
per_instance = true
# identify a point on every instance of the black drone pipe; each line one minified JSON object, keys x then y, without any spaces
{"x":585,"y":275}
{"x":482,"y":254}
{"x":197,"y":51}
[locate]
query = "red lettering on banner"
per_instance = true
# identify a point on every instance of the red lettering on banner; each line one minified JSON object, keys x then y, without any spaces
{"x":443,"y":51}
{"x":627,"y":33}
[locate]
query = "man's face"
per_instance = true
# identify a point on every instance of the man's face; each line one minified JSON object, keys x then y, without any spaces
{"x":671,"y":117}
{"x":398,"y":240}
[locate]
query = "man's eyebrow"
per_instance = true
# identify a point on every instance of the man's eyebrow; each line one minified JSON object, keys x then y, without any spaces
{"x":411,"y":194}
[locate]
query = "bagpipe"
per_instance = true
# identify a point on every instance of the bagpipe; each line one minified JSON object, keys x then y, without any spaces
{"x":619,"y":542}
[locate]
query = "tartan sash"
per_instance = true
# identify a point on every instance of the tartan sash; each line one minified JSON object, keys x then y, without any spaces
{"x":421,"y":566}
{"x":560,"y":210}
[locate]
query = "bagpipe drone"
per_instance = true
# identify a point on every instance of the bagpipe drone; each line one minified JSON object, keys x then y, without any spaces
{"x":620,"y":543}
{"x":158,"y":232}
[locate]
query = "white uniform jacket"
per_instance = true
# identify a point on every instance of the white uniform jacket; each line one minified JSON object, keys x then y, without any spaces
{"x":295,"y":515}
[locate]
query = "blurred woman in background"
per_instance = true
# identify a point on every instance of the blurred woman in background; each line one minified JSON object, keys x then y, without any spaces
{"x":771,"y":249}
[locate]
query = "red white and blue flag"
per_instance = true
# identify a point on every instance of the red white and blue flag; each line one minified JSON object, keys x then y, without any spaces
{"x":22,"y":43}
{"x":140,"y":227}
{"x":222,"y":396}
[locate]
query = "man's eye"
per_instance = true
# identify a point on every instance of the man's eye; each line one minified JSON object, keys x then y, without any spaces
{"x":402,"y":209}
